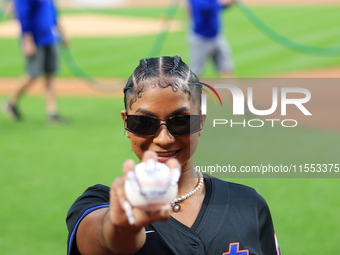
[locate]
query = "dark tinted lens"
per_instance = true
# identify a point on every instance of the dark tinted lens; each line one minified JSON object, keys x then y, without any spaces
{"x":142,"y":125}
{"x":184,"y":125}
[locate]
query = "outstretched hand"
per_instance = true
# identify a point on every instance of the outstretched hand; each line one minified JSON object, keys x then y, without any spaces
{"x":122,"y":213}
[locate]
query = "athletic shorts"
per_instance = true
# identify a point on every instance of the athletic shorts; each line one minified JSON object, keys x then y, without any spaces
{"x":216,"y":49}
{"x":45,"y":60}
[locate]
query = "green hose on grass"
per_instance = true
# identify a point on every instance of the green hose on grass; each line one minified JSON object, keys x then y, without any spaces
{"x":281,"y":39}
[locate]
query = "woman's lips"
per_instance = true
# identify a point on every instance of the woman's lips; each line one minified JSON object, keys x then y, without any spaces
{"x":166,"y":155}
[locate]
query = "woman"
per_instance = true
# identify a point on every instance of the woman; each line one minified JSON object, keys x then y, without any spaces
{"x":163,"y":121}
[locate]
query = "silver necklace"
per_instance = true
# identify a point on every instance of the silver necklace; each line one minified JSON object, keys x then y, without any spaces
{"x":176,"y":207}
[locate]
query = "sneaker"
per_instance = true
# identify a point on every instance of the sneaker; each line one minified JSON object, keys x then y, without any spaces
{"x":11,"y":111}
{"x":56,"y":119}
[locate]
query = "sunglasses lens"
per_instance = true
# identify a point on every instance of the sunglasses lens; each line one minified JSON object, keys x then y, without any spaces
{"x":184,"y":125}
{"x":142,"y":125}
{"x":177,"y":125}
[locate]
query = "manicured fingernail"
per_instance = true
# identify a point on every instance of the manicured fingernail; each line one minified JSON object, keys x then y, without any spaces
{"x":133,"y":180}
{"x":129,"y":213}
{"x":150,"y":163}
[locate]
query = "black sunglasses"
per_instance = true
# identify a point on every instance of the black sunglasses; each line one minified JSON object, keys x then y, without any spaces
{"x":177,"y":125}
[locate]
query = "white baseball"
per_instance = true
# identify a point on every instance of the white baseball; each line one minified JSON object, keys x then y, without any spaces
{"x":151,"y":185}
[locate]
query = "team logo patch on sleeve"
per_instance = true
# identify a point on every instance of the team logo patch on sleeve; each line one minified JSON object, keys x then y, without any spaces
{"x":234,"y":250}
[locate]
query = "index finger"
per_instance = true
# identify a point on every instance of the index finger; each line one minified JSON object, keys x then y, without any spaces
{"x":149,"y":155}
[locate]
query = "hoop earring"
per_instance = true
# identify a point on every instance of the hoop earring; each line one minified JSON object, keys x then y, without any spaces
{"x":126,"y":134}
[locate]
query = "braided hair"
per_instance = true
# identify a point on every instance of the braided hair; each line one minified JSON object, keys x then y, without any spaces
{"x":162,"y":72}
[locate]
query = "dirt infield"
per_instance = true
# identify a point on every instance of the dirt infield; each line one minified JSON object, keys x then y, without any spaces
{"x":333,"y":72}
{"x":98,"y":26}
{"x":68,"y":86}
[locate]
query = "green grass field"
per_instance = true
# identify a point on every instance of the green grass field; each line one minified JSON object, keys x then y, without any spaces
{"x":44,"y":168}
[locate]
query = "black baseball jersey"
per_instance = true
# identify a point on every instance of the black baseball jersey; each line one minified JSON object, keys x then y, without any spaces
{"x":234,"y":220}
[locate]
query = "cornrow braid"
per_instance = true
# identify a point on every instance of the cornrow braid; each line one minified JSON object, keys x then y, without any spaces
{"x":177,"y":59}
{"x":163,"y":72}
{"x":144,"y":63}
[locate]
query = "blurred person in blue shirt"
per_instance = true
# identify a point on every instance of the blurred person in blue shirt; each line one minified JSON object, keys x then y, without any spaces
{"x":205,"y":39}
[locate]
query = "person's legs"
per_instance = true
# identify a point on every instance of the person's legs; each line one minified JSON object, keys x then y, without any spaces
{"x":20,"y":90}
{"x":10,"y":107}
{"x":34,"y":68}
{"x":200,"y":50}
{"x":50,"y":68}
{"x":51,"y":102}
{"x":223,"y":57}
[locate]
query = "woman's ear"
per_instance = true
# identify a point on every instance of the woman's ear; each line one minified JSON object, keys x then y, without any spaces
{"x":123,"y":115}
{"x":202,"y":124}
